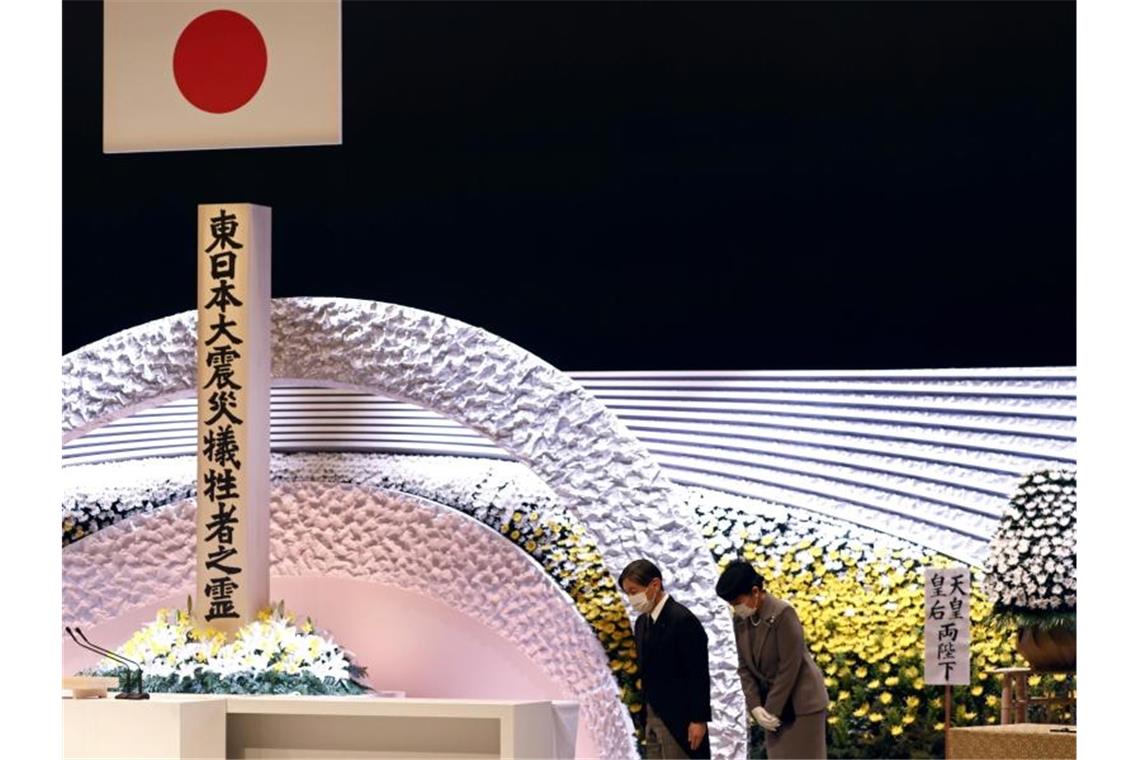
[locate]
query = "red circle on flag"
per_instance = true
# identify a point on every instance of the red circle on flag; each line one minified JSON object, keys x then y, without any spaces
{"x":219,"y":61}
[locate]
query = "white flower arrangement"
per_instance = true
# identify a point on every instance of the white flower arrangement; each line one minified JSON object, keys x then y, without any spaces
{"x":1031,"y":569}
{"x":272,"y":654}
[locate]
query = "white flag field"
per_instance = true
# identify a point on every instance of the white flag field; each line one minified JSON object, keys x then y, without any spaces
{"x":196,"y":75}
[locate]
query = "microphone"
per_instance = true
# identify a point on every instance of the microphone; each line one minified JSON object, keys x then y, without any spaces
{"x":123,"y":694}
{"x":116,"y":658}
{"x":141,"y":693}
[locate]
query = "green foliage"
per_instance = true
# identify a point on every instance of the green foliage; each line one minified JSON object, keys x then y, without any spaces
{"x":246,"y":682}
{"x":1039,"y":619}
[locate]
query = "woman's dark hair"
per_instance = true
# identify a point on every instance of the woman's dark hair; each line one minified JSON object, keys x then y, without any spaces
{"x":641,"y":570}
{"x":738,"y":578}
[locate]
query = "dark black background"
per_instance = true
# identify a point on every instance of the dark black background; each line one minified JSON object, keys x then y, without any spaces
{"x":642,"y":186}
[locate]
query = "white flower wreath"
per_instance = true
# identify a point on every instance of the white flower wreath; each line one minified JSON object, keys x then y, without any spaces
{"x":1031,"y":569}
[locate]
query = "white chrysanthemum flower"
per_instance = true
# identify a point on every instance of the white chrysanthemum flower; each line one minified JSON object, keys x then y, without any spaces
{"x":159,"y":668}
{"x":1032,"y":551}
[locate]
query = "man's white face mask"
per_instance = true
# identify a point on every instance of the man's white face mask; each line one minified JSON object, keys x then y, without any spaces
{"x":640,"y":602}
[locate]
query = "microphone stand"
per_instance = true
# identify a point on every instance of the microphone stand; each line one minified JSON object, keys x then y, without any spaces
{"x":141,"y":693}
{"x":116,"y":658}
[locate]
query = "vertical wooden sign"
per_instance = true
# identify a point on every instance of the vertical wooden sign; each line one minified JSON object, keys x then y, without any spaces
{"x":946,"y":630}
{"x":947,"y":626}
{"x":233,"y":414}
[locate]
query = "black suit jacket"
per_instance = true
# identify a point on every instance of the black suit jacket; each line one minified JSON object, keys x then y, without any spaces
{"x":673,"y":657}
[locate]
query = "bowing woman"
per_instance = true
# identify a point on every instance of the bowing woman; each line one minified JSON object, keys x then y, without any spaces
{"x":673,"y":659}
{"x":783,"y":687}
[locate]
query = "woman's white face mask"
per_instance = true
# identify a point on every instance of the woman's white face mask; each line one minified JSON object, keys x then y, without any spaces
{"x":744,"y":610}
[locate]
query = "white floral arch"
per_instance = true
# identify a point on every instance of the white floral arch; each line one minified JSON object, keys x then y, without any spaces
{"x":602,"y":474}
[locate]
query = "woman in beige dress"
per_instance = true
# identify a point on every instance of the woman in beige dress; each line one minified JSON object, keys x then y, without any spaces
{"x":783,"y":687}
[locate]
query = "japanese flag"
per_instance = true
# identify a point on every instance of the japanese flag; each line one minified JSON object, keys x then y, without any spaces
{"x":181,"y":75}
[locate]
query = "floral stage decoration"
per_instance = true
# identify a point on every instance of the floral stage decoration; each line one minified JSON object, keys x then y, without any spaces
{"x":271,"y":655}
{"x":1031,"y":569}
{"x":858,"y":592}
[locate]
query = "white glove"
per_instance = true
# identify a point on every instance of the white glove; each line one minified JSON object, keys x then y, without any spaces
{"x":767,"y":720}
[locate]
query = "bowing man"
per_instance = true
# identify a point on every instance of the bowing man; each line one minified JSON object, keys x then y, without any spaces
{"x":673,"y":658}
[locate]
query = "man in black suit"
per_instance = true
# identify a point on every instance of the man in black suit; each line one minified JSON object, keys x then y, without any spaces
{"x":673,"y":658}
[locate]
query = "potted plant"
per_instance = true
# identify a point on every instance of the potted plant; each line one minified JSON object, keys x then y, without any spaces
{"x":1031,"y":569}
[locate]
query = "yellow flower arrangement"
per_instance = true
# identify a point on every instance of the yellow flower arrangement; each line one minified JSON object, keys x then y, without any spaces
{"x":861,"y":606}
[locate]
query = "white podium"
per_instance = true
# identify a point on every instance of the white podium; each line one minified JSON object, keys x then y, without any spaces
{"x":189,"y":726}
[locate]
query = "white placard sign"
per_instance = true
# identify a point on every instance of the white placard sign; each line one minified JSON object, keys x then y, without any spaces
{"x":947,"y":626}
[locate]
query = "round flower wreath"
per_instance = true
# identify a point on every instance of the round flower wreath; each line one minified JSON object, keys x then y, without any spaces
{"x":1031,"y":568}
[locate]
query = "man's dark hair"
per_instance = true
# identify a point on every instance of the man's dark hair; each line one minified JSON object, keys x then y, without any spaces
{"x":738,"y":578}
{"x":641,"y":570}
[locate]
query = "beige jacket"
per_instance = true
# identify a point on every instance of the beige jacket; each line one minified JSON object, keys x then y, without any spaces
{"x":772,"y":653}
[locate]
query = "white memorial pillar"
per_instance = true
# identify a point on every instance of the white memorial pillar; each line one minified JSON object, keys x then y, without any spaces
{"x":233,"y":414}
